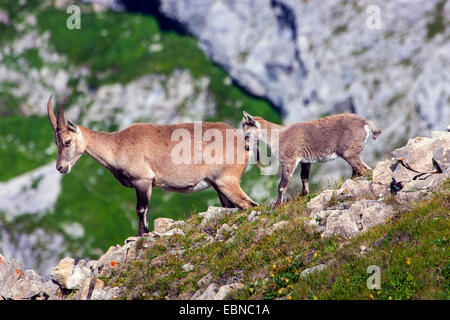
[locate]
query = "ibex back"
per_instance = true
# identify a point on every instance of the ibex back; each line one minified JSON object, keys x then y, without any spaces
{"x":141,"y":157}
{"x":321,"y":140}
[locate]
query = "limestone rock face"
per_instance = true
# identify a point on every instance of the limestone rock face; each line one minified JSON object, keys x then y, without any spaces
{"x":274,"y":49}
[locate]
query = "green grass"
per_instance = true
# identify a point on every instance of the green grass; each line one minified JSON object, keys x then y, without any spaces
{"x":411,"y":250}
{"x":25,"y":144}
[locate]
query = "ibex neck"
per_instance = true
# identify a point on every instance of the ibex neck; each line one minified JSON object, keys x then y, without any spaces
{"x":100,"y":145}
{"x":271,"y":133}
{"x":269,"y":125}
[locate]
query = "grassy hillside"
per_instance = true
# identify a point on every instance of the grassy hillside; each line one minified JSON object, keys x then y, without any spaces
{"x":411,"y":251}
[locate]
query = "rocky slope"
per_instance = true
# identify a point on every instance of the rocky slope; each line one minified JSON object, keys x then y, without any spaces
{"x":341,"y":214}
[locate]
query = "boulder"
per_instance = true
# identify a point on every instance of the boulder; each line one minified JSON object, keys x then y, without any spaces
{"x":354,"y":188}
{"x":224,"y":231}
{"x":320,"y":202}
{"x":418,"y":154}
{"x":225,"y":290}
{"x":305,"y":273}
{"x":163,"y":225}
{"x":100,"y":292}
{"x":341,"y":223}
{"x":215,"y":214}
{"x":254,"y":215}
{"x":62,"y":272}
{"x":205,"y":281}
{"x":27,"y":286}
{"x":24,"y":285}
{"x":361,"y":216}
{"x":277,"y":226}
{"x":71,"y":274}
{"x":441,"y":156}
{"x":188,"y":267}
{"x":208,"y":294}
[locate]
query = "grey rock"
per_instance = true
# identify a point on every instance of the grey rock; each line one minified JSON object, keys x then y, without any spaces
{"x":62,"y":272}
{"x":215,"y":214}
{"x":162,"y":225}
{"x":224,"y":231}
{"x":361,"y":216}
{"x":354,"y":188}
{"x":225,"y":290}
{"x":441,"y":156}
{"x":277,"y":226}
{"x":254,"y":215}
{"x":188,"y":267}
{"x":209,"y":293}
{"x":205,"y":281}
{"x":320,"y":202}
{"x":305,"y":273}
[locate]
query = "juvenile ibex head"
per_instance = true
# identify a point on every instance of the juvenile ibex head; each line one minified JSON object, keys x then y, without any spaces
{"x":68,"y":138}
{"x":252,"y":127}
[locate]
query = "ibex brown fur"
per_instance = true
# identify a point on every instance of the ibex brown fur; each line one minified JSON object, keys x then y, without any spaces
{"x":140,"y":157}
{"x":321,"y":140}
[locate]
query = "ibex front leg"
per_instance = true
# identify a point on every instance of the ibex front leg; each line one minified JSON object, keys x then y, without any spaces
{"x":287,"y":170}
{"x":143,"y":194}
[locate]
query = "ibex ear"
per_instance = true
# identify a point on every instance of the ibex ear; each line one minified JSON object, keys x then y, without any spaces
{"x":249,"y":119}
{"x":72,"y":126}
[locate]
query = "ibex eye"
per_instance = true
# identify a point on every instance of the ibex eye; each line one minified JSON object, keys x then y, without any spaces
{"x":68,"y":142}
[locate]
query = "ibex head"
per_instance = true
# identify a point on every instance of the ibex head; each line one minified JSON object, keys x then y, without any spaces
{"x":68,"y":138}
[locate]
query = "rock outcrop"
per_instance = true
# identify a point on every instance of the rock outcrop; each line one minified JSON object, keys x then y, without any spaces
{"x":360,"y":204}
{"x":355,"y":207}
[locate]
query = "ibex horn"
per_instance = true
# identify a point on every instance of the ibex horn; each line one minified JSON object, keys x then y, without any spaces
{"x":61,"y":121}
{"x":50,"y":113}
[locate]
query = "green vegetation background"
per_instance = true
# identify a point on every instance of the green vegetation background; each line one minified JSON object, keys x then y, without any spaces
{"x":114,"y":46}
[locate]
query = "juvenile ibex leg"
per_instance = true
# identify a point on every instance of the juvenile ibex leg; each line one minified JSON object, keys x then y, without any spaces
{"x":143,"y":194}
{"x":358,"y":166}
{"x":286,"y":174}
{"x":304,"y":174}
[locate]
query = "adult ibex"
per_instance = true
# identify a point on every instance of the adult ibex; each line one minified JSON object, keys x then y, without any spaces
{"x":142,"y":157}
{"x":321,"y":140}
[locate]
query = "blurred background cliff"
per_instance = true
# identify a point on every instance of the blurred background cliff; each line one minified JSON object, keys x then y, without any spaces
{"x":172,"y":61}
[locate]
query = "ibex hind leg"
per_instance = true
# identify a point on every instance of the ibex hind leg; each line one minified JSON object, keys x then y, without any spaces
{"x":143,"y":194}
{"x":304,"y":174}
{"x":224,"y":201}
{"x":232,"y":191}
{"x":359,"y":168}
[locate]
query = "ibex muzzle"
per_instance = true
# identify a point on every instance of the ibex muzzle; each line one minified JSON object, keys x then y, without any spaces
{"x":321,"y":140}
{"x":141,"y":157}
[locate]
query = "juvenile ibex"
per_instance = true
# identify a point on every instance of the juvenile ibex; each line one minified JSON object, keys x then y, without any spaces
{"x":321,"y":140}
{"x":140,"y":157}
